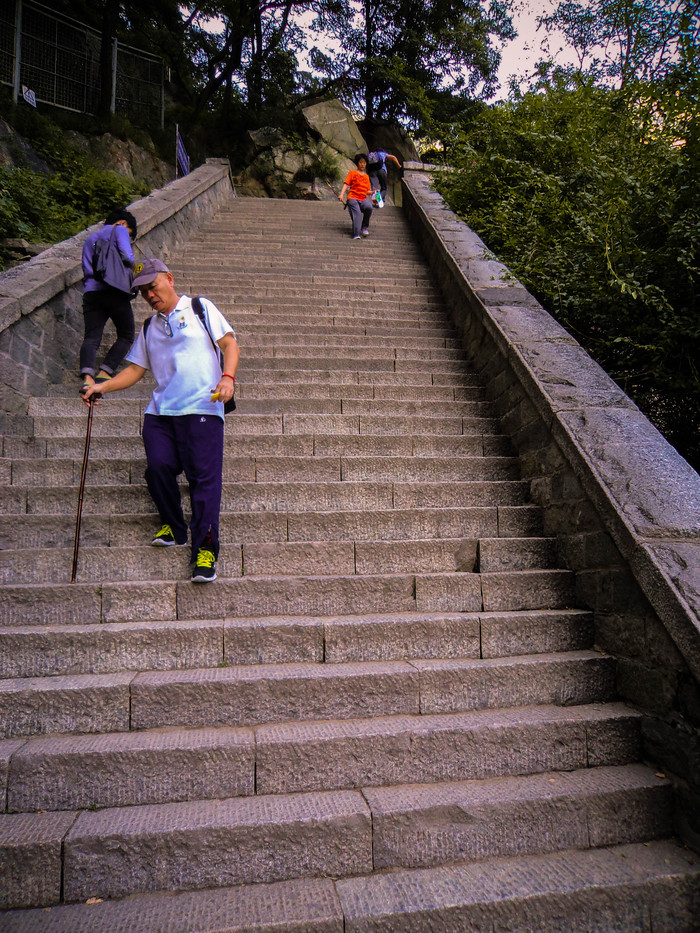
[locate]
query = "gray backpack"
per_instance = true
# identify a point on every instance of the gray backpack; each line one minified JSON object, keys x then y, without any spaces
{"x":108,"y":265}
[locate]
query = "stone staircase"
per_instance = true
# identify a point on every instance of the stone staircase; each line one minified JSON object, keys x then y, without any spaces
{"x":387,"y":714}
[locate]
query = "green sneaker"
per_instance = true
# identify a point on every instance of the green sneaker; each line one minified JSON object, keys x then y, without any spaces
{"x":164,"y":538}
{"x":204,"y":566}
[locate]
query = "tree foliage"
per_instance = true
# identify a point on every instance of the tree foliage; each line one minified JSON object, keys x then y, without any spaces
{"x":395,"y":56}
{"x":619,"y":41}
{"x":590,"y":196}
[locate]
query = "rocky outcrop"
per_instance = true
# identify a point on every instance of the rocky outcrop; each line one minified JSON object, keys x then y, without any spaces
{"x":312,"y":164}
{"x":125,"y":158}
{"x":106,"y":152}
{"x":335,"y":125}
{"x":15,"y":152}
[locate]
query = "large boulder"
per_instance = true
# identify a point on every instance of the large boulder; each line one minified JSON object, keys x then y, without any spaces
{"x":291,"y":167}
{"x":314,"y":162}
{"x":390,"y":138}
{"x":335,"y":125}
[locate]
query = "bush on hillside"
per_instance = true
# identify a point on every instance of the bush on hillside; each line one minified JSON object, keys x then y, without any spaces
{"x":44,"y":208}
{"x":590,"y":196}
{"x":47,"y":209}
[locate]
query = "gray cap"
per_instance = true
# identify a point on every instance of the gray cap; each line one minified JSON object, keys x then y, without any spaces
{"x":145,"y":272}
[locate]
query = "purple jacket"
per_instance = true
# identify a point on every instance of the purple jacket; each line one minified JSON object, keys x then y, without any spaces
{"x":90,"y":283}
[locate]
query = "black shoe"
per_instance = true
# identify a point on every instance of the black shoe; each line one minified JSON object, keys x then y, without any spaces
{"x":204,"y":566}
{"x":164,"y":538}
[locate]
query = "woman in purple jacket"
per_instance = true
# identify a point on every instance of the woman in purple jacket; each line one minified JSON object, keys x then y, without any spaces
{"x":102,"y":303}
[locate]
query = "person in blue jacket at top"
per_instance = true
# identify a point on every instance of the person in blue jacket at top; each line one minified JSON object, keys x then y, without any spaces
{"x":102,"y":303}
{"x":376,"y":169}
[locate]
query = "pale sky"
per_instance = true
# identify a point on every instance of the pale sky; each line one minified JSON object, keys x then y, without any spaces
{"x":520,"y":56}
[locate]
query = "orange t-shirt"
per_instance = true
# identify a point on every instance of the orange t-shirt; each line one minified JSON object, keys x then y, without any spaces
{"x":359,"y":184}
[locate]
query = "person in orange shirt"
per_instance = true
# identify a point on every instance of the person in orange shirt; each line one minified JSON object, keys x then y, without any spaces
{"x":358,"y":188}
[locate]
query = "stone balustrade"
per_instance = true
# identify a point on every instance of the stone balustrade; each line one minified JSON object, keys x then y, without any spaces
{"x":623,"y":504}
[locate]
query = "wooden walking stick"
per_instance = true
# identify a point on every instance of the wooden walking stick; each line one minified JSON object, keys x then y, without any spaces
{"x":86,"y":453}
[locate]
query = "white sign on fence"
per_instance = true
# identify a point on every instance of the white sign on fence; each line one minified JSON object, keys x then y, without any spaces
{"x":29,"y":95}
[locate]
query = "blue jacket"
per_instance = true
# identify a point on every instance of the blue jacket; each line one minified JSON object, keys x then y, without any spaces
{"x":90,"y":283}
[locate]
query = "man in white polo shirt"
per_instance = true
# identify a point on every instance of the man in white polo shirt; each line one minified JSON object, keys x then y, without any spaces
{"x":183,"y":426}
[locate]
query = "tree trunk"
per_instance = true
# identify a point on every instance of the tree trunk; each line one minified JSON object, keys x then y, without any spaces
{"x":369,"y":46}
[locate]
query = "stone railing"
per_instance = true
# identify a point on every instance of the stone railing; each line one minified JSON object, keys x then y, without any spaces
{"x":41,"y":321}
{"x":622,"y":503}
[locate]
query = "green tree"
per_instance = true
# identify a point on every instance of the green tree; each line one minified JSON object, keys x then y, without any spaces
{"x":397,"y":56}
{"x":590,"y":196}
{"x":625,"y":40}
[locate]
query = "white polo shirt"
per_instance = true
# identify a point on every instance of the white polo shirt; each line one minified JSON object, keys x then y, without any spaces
{"x":184,"y":363}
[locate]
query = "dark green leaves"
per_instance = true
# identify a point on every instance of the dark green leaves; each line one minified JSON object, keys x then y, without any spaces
{"x":588,"y":196}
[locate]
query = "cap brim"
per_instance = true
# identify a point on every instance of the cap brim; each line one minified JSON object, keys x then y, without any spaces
{"x":144,"y":280}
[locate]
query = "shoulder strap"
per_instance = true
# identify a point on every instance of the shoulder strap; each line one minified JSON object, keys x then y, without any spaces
{"x":199,"y":311}
{"x":146,"y":325}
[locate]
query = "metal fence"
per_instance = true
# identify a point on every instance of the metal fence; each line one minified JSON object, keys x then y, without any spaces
{"x":59,"y":60}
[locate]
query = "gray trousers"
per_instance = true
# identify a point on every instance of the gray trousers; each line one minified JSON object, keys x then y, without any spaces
{"x":360,"y":213}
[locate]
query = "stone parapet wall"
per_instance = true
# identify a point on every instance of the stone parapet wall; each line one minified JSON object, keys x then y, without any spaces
{"x":622,"y":503}
{"x":41,"y":321}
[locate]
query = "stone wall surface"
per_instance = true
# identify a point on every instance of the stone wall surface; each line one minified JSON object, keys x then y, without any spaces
{"x":622,"y":503}
{"x":41,"y":322}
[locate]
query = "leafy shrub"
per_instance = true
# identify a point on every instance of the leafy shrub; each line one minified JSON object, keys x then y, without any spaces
{"x":44,"y":208}
{"x":593,"y":203}
{"x":47,"y":209}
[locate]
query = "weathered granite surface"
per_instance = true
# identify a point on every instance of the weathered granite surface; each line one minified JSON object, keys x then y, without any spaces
{"x":624,"y":505}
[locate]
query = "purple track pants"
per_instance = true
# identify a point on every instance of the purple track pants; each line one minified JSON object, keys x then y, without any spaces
{"x":195,"y":444}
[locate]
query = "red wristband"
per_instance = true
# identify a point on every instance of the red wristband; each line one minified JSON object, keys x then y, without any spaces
{"x":232,"y":378}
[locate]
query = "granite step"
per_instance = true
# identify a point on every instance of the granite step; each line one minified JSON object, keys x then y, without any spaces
{"x":248,"y":316}
{"x":509,"y":518}
{"x":325,"y":379}
{"x":345,"y":305}
{"x":305,"y":756}
{"x":105,"y":648}
{"x":110,"y":648}
{"x":457,"y":555}
{"x":348,"y":462}
{"x":407,"y":275}
{"x":256,"y":694}
{"x":265,"y":838}
{"x":64,"y":772}
{"x":296,"y":404}
{"x":272,"y":445}
{"x":196,"y":844}
{"x":386,"y":492}
{"x":626,"y":887}
{"x":322,"y":284}
{"x":577,"y":891}
{"x":339,"y":349}
{"x":405,"y":312}
{"x":115,"y":601}
{"x":242,"y":423}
